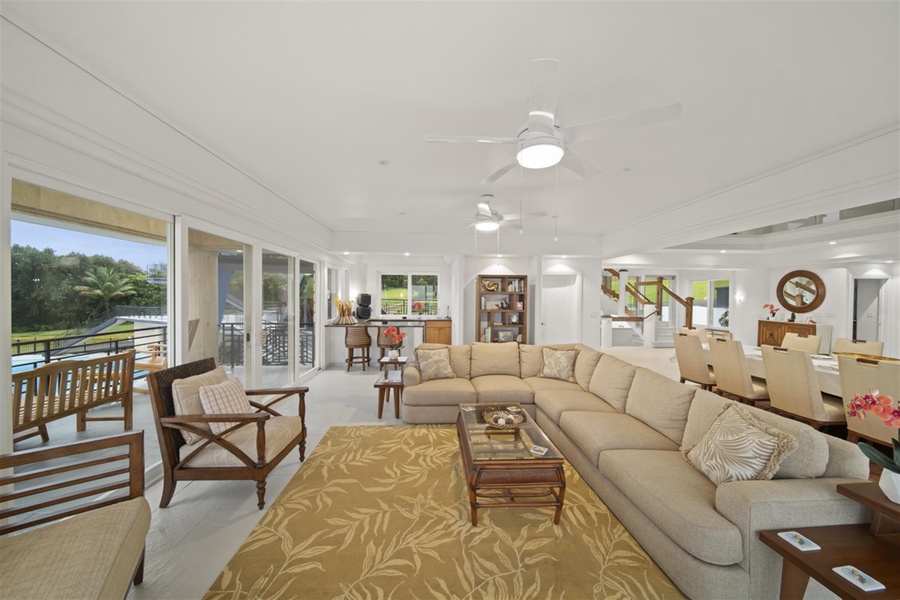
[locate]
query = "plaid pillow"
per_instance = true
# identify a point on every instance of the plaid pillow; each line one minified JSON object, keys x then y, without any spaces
{"x":226,"y":398}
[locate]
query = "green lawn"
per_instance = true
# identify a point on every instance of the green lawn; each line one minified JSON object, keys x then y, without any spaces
{"x":111,"y":334}
{"x":394,"y":294}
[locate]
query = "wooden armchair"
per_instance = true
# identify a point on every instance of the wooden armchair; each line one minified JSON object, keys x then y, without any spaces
{"x":240,"y":452}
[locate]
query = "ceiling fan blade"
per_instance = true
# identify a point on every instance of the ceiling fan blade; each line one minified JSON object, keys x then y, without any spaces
{"x":641,"y":118}
{"x":469,"y":139}
{"x":542,"y":99}
{"x":500,"y":172}
{"x":577,"y":165}
{"x":484,"y":209}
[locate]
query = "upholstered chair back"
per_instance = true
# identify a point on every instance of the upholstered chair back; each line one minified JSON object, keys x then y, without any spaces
{"x":859,"y":376}
{"x":691,"y":361}
{"x":810,"y":344}
{"x":794,"y":388}
{"x":697,"y":331}
{"x":872,"y":348}
{"x":357,"y":337}
{"x":732,"y":372}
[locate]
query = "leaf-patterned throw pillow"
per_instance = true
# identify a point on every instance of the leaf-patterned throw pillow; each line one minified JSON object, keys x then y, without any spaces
{"x":434,"y":364}
{"x":738,"y":447}
{"x":558,"y":364}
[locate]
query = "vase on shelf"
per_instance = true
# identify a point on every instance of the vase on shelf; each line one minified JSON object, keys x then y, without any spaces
{"x":890,"y":485}
{"x":394,"y":353}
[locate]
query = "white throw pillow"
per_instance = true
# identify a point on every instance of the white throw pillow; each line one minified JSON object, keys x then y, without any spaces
{"x":186,"y":398}
{"x":738,"y":447}
{"x":558,"y":364}
{"x":226,"y":398}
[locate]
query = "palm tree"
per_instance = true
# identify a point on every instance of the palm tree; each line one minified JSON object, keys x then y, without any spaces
{"x":105,"y":283}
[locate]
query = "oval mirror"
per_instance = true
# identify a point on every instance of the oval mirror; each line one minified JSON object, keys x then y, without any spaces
{"x":801,"y":291}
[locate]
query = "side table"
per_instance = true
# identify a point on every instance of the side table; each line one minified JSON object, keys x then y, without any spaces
{"x":872,"y":548}
{"x":390,"y":380}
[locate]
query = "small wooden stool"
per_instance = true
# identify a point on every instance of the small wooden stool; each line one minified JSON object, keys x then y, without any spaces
{"x":392,"y":380}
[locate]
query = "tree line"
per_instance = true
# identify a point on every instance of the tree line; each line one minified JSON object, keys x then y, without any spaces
{"x":61,"y":292}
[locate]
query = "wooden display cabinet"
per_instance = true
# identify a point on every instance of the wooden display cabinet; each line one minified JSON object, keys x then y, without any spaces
{"x":501,"y":305}
{"x":771,"y":333}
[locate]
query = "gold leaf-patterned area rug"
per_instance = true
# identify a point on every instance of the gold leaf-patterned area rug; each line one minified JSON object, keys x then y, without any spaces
{"x":382,"y":512}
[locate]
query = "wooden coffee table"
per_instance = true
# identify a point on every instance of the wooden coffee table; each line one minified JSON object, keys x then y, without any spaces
{"x":505,"y":466}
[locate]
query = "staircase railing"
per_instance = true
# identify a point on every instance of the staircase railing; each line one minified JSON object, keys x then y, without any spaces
{"x":687,"y":303}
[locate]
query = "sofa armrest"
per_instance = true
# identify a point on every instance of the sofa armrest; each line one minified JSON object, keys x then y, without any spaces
{"x":754,"y":506}
{"x":845,"y":459}
{"x":411,"y":376}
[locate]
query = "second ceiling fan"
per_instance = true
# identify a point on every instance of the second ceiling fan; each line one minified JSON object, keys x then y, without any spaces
{"x":542,"y":143}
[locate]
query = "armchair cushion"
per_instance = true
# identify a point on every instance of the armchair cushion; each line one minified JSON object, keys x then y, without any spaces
{"x":280,"y":431}
{"x":226,"y":398}
{"x":495,"y":359}
{"x":186,"y":398}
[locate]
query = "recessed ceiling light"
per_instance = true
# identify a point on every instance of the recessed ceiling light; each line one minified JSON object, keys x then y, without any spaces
{"x":499,"y":256}
{"x":888,"y":261}
{"x":832,"y":243}
{"x":406,"y":254}
{"x":346,"y":253}
{"x":564,"y":256}
{"x":722,"y":251}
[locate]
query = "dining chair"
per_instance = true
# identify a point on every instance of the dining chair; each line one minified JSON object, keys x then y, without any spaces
{"x":794,"y":388}
{"x":697,"y":331}
{"x":809,"y":344}
{"x":872,"y":348}
{"x":860,"y":376}
{"x":732,"y":373}
{"x":691,"y":362}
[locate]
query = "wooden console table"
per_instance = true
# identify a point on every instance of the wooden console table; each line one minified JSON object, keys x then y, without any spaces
{"x":872,"y":548}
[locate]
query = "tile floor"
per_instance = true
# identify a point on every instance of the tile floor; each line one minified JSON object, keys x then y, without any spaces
{"x":192,"y":540}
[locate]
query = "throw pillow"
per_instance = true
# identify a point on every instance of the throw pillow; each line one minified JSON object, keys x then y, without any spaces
{"x":186,"y":398}
{"x":558,"y":364}
{"x":226,"y":398}
{"x":738,"y":447}
{"x":434,"y":364}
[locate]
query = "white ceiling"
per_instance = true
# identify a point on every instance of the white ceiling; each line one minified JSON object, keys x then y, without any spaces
{"x":309,"y":97}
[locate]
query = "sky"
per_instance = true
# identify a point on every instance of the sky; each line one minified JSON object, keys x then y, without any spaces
{"x":64,"y":241}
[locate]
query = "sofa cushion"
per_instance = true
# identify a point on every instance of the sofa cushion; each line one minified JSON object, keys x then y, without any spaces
{"x":226,"y":398}
{"x":502,"y":389}
{"x":660,"y":402}
{"x":460,"y":357}
{"x":555,"y":402}
{"x":676,"y":498}
{"x":434,"y":363}
{"x":495,"y":359}
{"x":810,"y":458}
{"x":594,"y":431}
{"x":612,"y":380}
{"x":186,"y":398}
{"x":53,"y":561}
{"x":530,"y":360}
{"x":440,"y":392}
{"x":280,"y":431}
{"x":539,"y":384}
{"x":558,"y":364}
{"x":739,"y":447}
{"x":585,"y":365}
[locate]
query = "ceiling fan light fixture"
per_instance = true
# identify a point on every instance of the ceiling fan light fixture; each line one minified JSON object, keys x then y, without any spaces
{"x":484,"y":223}
{"x":539,"y":151}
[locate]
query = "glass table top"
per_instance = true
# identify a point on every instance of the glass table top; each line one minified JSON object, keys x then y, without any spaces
{"x":504,"y":438}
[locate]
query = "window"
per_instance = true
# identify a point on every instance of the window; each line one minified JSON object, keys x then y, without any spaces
{"x":409,"y":294}
{"x":711,"y":301}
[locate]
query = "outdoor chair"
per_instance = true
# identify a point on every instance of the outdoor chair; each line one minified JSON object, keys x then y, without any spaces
{"x":253,"y":444}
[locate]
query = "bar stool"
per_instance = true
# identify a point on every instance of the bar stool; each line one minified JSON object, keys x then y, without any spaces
{"x":384,"y":343}
{"x":357,"y":337}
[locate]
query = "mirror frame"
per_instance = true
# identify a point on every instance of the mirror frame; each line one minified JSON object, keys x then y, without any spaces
{"x":816,"y":301}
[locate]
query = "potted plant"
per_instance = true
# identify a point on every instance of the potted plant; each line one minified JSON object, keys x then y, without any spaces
{"x":882,"y":406}
{"x":772,"y":310}
{"x":393,"y":335}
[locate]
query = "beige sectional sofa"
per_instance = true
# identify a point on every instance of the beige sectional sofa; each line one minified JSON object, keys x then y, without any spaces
{"x":623,"y":427}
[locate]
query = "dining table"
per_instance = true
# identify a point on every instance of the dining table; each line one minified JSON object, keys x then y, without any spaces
{"x":825,"y":366}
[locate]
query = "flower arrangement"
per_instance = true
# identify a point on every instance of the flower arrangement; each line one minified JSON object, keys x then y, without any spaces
{"x":417,"y":308}
{"x":772,"y":309}
{"x":345,"y":311}
{"x":393,"y":335}
{"x":882,"y":406}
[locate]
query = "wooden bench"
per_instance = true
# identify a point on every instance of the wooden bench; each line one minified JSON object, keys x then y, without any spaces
{"x":71,"y":387}
{"x":88,"y":497}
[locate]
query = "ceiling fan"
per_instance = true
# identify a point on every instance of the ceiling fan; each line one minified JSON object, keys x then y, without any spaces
{"x":542,"y":143}
{"x":488,"y":219}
